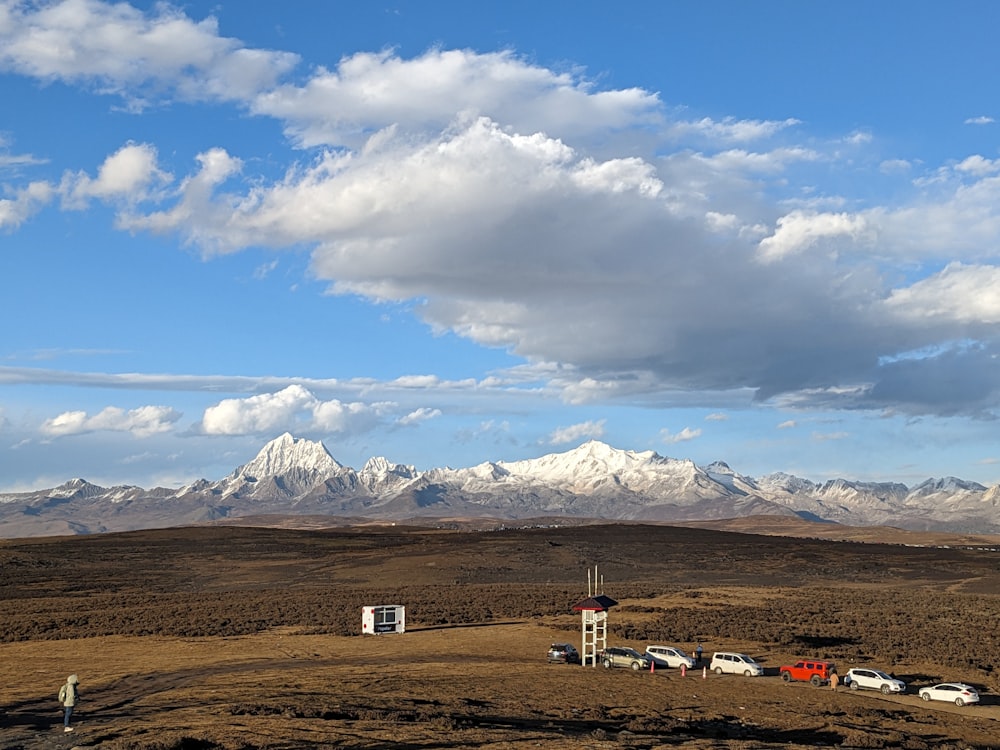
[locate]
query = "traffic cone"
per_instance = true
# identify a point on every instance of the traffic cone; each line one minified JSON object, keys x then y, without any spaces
{"x":704,"y":673}
{"x":684,"y":670}
{"x":652,"y":665}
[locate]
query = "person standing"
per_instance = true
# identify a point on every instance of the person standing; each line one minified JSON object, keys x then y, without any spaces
{"x":834,"y":680}
{"x":68,"y":696}
{"x":698,"y":651}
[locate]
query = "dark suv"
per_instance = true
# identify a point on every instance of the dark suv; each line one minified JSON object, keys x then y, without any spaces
{"x":619,"y":656}
{"x":563,"y":653}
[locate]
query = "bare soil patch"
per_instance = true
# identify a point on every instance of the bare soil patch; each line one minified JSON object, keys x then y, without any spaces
{"x":248,"y":638}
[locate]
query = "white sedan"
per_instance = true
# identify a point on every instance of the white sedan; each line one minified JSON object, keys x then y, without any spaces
{"x":954,"y":692}
{"x":669,"y":656}
{"x":873,"y":679}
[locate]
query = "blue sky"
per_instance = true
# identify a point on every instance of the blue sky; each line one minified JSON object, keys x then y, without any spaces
{"x":445,"y":233}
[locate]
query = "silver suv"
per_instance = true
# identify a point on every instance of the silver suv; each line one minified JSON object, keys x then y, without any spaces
{"x":620,"y":656}
{"x":873,"y":679}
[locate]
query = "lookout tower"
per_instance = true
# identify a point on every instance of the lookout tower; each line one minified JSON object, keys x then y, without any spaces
{"x":594,"y":616}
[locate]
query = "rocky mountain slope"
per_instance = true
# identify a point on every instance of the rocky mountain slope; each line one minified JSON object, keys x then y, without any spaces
{"x":299,"y":477}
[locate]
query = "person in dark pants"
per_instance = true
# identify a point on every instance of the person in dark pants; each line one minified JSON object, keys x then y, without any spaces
{"x":698,"y":651}
{"x":68,"y":696}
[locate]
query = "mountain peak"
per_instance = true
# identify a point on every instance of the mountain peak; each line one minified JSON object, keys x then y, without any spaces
{"x":285,"y":454}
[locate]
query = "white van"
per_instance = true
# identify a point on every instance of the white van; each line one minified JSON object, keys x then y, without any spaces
{"x":733,"y":663}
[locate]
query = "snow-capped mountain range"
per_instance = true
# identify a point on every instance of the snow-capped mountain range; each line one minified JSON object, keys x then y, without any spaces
{"x":294,"y":476}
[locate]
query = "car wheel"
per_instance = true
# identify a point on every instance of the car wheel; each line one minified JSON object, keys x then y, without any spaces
{"x":854,"y":685}
{"x":607,"y":663}
{"x":786,"y":676}
{"x":959,"y":702}
{"x":885,"y":690}
{"x":748,"y":673}
{"x":925,"y":696}
{"x":718,"y":670}
{"x":635,"y":666}
{"x":816,"y":680}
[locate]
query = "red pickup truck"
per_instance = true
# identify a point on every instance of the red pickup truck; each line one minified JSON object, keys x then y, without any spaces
{"x":816,"y":672}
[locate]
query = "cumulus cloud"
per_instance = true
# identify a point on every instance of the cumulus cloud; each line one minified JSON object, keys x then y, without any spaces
{"x":957,"y":294}
{"x":629,"y":257}
{"x":801,"y":230}
{"x":122,"y":50}
{"x":672,"y":438}
{"x":127,"y":175}
{"x":575,"y":433}
{"x":25,"y":204}
{"x":294,"y":408}
{"x":369,"y":92}
{"x":143,"y":421}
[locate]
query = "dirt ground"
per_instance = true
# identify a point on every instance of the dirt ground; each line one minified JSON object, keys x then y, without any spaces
{"x":245,"y":639}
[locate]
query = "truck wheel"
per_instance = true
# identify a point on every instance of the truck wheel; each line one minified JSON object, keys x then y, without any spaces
{"x":786,"y":676}
{"x":816,"y":680}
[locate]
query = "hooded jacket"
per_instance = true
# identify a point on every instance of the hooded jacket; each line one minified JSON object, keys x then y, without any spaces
{"x":68,"y":692}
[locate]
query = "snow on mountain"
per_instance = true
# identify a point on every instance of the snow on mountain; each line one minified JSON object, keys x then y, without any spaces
{"x":298,"y":476}
{"x":287,"y":466}
{"x":380,"y":475}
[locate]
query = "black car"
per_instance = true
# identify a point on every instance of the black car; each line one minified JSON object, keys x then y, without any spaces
{"x":563,"y":653}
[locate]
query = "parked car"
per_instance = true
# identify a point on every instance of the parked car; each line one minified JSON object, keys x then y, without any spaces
{"x":669,"y":656}
{"x":563,"y":653}
{"x":734,"y":663}
{"x":809,"y":670}
{"x":863,"y":678}
{"x":620,"y":656}
{"x":954,"y":692}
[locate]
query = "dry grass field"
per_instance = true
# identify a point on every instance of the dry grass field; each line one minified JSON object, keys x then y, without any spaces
{"x":248,"y":638}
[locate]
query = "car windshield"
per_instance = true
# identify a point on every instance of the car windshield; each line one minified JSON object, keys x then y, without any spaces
{"x":679,"y":652}
{"x":883,"y":675}
{"x":631,"y":652}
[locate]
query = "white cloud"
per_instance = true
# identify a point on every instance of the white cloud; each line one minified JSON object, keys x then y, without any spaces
{"x":672,"y":438}
{"x":293,"y":409}
{"x":731,"y":129}
{"x":427,"y":94}
{"x":788,"y":424}
{"x":981,"y":120}
{"x":616,"y":269}
{"x":957,"y":294}
{"x":894,"y":166}
{"x":717,"y":417}
{"x":123,"y":50}
{"x":801,"y":230}
{"x":26,"y":203}
{"x":577,"y":432}
{"x":143,"y":421}
{"x":978,"y":165}
{"x":128,"y":174}
{"x":418,"y":415}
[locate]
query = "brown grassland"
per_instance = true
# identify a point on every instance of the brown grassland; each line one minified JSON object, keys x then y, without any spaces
{"x":248,"y":638}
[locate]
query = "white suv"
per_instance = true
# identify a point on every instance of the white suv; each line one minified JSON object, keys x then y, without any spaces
{"x":733,"y":663}
{"x":669,"y":656}
{"x":873,"y":679}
